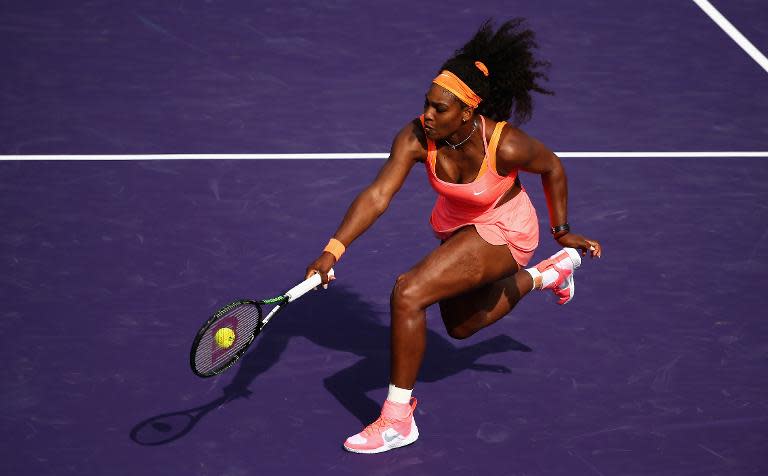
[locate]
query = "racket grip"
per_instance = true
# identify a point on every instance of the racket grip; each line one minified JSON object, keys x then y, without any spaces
{"x":305,"y":286}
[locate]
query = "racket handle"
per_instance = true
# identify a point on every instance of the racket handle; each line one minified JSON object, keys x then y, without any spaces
{"x":305,"y":286}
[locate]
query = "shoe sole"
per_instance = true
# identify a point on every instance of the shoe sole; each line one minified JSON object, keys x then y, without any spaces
{"x":412,"y":436}
{"x":576,"y":259}
{"x":571,"y":287}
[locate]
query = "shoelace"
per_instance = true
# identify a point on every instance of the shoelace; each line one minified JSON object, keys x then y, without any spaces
{"x":380,"y":423}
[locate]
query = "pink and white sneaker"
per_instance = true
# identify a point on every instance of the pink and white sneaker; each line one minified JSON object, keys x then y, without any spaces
{"x":393,"y":429}
{"x":564,"y":263}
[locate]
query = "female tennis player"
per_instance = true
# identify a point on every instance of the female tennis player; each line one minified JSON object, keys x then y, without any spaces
{"x":488,"y":227}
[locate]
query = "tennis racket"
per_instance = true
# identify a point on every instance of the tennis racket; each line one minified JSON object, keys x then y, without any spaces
{"x":229,"y":332}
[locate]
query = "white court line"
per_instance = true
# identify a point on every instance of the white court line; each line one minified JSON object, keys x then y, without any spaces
{"x":735,"y":34}
{"x":353,"y":155}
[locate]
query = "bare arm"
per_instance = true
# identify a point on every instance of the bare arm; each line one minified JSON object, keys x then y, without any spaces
{"x":518,"y":150}
{"x":373,"y":201}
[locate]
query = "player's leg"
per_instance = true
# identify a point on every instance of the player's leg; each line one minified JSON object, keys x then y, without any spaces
{"x":464,"y":262}
{"x":467,"y":313}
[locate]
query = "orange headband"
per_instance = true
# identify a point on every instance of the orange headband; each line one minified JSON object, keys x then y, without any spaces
{"x":459,"y":88}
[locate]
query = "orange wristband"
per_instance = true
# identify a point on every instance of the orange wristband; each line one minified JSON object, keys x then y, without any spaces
{"x":336,"y":248}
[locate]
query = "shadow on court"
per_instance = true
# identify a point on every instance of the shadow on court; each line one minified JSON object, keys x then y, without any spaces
{"x":369,"y":339}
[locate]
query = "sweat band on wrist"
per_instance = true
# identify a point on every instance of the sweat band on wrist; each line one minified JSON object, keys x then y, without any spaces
{"x":335,"y":247}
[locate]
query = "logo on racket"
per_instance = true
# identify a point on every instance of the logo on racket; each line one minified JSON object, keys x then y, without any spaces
{"x":223,"y":336}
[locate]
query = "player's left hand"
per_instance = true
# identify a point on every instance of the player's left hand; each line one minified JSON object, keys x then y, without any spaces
{"x":581,"y":243}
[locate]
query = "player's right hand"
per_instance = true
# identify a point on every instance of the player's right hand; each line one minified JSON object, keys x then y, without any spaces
{"x":321,"y":266}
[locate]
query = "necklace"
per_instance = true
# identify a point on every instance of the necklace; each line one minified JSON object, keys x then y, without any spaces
{"x":456,"y":146}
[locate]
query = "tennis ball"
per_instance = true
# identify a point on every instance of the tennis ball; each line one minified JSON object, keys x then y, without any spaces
{"x":224,"y":337}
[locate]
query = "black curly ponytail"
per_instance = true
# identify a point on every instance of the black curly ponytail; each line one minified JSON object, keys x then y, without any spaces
{"x":513,"y":71}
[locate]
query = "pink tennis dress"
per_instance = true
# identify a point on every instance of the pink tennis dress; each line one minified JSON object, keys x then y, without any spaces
{"x":514,"y":223}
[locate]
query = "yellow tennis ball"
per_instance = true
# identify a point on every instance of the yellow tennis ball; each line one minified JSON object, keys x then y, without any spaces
{"x":224,"y":337}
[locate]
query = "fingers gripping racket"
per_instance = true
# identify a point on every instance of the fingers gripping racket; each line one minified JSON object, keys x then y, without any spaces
{"x":229,"y":332}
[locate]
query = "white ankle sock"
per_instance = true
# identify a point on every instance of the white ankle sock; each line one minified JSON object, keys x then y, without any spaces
{"x":399,"y":395}
{"x":546,"y":278}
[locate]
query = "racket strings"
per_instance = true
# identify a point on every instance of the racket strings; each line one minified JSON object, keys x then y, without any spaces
{"x":209,"y":357}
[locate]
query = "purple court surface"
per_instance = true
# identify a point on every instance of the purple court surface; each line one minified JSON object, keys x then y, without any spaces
{"x":658,"y":367}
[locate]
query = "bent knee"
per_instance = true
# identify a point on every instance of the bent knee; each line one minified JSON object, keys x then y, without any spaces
{"x":459,"y":322}
{"x":460,"y":332}
{"x":407,"y":292}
